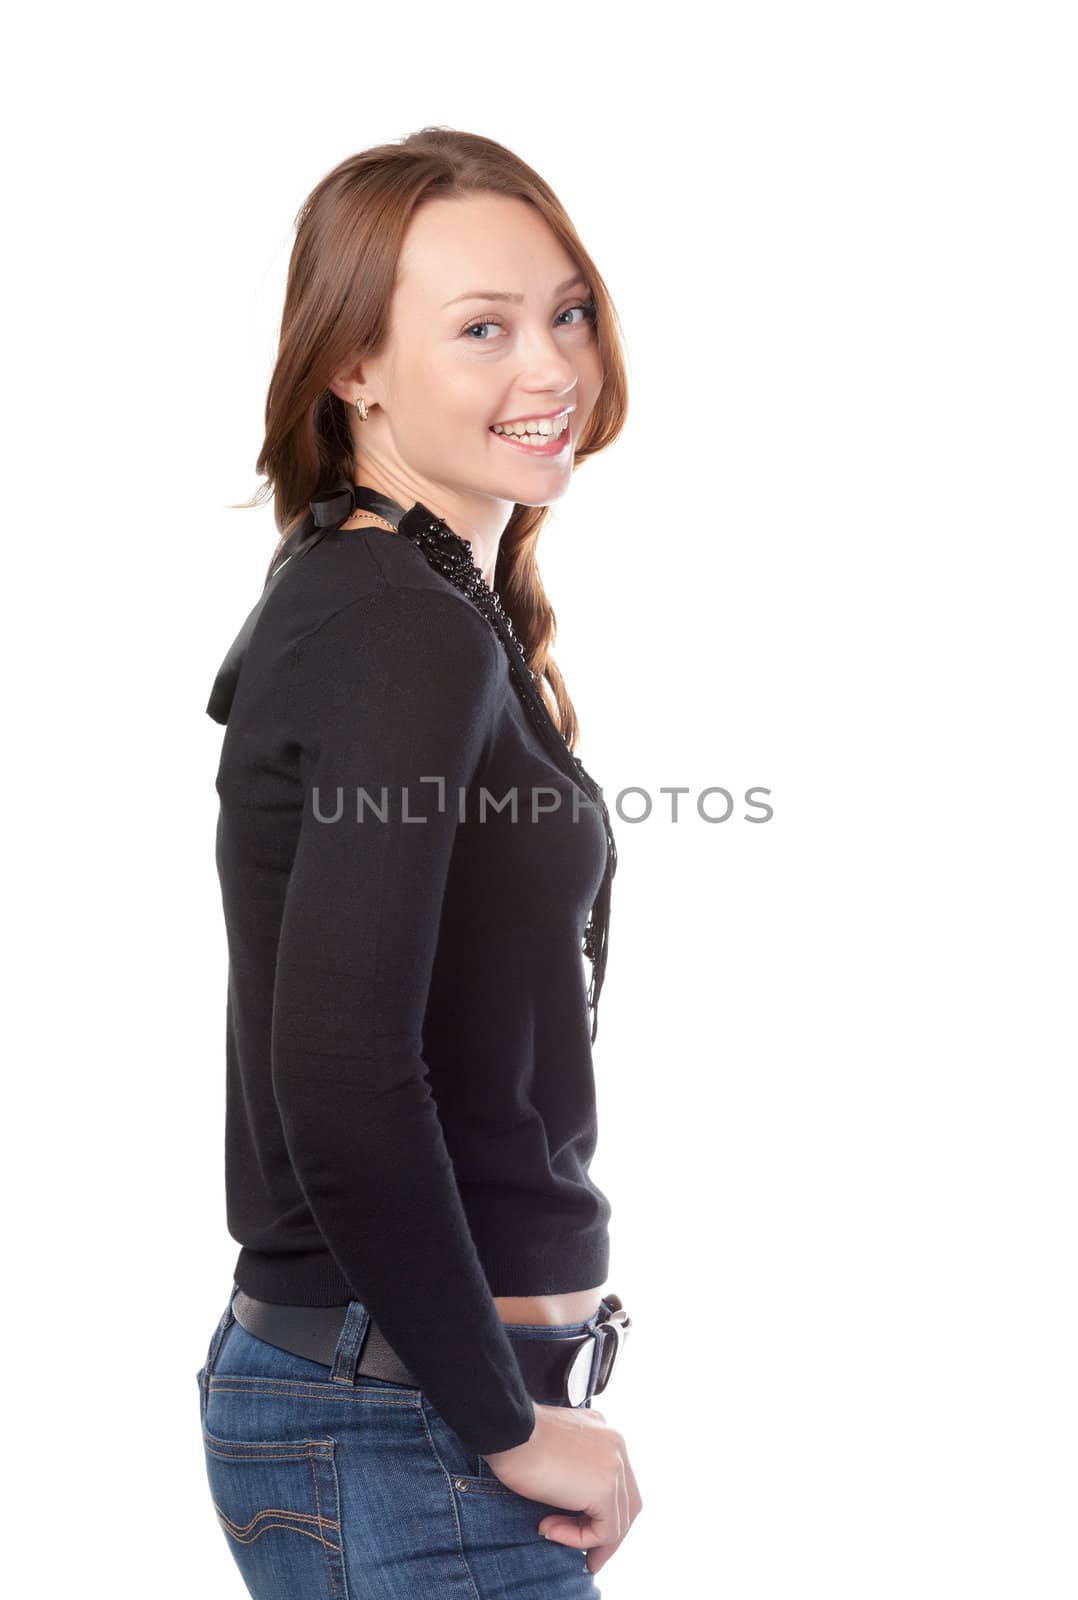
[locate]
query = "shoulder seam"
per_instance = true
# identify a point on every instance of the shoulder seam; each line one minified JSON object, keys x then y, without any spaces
{"x":452,"y":596}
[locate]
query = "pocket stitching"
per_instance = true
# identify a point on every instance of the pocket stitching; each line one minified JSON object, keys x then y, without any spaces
{"x":237,"y":1383}
{"x":318,"y":1453}
{"x":253,"y":1449}
{"x":469,"y":1481}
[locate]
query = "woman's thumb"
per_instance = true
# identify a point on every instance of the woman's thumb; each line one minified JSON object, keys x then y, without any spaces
{"x":567,"y":1530}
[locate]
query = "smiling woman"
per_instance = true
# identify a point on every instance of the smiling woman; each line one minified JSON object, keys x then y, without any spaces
{"x":418,"y":1325}
{"x":443,"y":396}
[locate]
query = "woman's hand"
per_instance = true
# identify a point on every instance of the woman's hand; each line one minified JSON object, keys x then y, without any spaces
{"x":574,"y":1460}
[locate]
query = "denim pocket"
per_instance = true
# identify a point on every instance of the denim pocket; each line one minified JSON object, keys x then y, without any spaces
{"x":278,"y":1502}
{"x":456,"y":1461}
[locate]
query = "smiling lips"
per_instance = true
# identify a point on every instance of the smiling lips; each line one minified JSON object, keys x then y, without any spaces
{"x":544,"y":436}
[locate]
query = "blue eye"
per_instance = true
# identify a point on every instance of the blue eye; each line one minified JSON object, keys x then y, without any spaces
{"x":482,"y":325}
{"x":588,"y":308}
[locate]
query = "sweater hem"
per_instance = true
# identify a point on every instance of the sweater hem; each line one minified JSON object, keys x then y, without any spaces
{"x":541,"y":1267}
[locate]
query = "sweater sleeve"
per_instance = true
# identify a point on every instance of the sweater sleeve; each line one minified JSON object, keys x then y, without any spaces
{"x":397,"y":700}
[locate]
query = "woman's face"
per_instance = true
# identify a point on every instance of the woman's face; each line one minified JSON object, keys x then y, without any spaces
{"x":489,"y":323}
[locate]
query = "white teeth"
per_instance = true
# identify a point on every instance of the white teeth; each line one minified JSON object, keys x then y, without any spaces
{"x":538,"y":427}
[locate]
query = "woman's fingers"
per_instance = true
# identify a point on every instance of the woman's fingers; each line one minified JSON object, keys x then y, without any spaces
{"x":598,"y":1533}
{"x":566,"y":1530}
{"x":606,"y":1525}
{"x":636,"y":1499}
{"x":600,"y":1554}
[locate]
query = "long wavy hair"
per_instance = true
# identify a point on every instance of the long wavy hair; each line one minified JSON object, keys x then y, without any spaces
{"x":349,"y":234}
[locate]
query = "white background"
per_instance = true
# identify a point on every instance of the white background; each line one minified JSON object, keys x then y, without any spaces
{"x":831,"y":555}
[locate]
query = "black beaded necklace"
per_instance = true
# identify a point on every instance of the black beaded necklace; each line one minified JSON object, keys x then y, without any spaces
{"x":451,"y":556}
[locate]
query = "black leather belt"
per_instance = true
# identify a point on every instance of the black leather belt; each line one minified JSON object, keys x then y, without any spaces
{"x":556,"y":1371}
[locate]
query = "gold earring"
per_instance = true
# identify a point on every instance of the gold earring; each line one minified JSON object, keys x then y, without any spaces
{"x":361,"y":407}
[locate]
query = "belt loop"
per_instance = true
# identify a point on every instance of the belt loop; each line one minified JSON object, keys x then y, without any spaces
{"x":350,"y":1343}
{"x":596,"y":1356}
{"x":224,"y":1322}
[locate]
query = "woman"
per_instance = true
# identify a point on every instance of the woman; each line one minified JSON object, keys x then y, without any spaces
{"x":397,"y":1398}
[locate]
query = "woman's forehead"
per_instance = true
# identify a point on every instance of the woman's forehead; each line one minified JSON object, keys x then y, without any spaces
{"x":470,"y":248}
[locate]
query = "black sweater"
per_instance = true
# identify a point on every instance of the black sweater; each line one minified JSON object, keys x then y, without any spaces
{"x":410,"y":1096}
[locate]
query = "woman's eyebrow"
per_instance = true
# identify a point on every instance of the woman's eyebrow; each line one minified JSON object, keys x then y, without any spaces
{"x":501,"y":294}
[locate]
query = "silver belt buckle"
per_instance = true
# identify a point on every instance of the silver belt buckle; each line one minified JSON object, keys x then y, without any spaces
{"x":612,"y":1335}
{"x":609,"y":1334}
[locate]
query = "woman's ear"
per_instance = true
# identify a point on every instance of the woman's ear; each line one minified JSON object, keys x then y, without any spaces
{"x":347,"y":383}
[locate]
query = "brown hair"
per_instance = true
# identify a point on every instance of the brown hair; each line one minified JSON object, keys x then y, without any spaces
{"x":349,"y":234}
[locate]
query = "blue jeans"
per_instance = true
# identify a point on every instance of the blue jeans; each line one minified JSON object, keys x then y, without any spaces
{"x":361,"y":1490}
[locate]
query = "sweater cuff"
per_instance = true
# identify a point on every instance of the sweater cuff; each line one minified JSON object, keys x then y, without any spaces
{"x":485,"y":1435}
